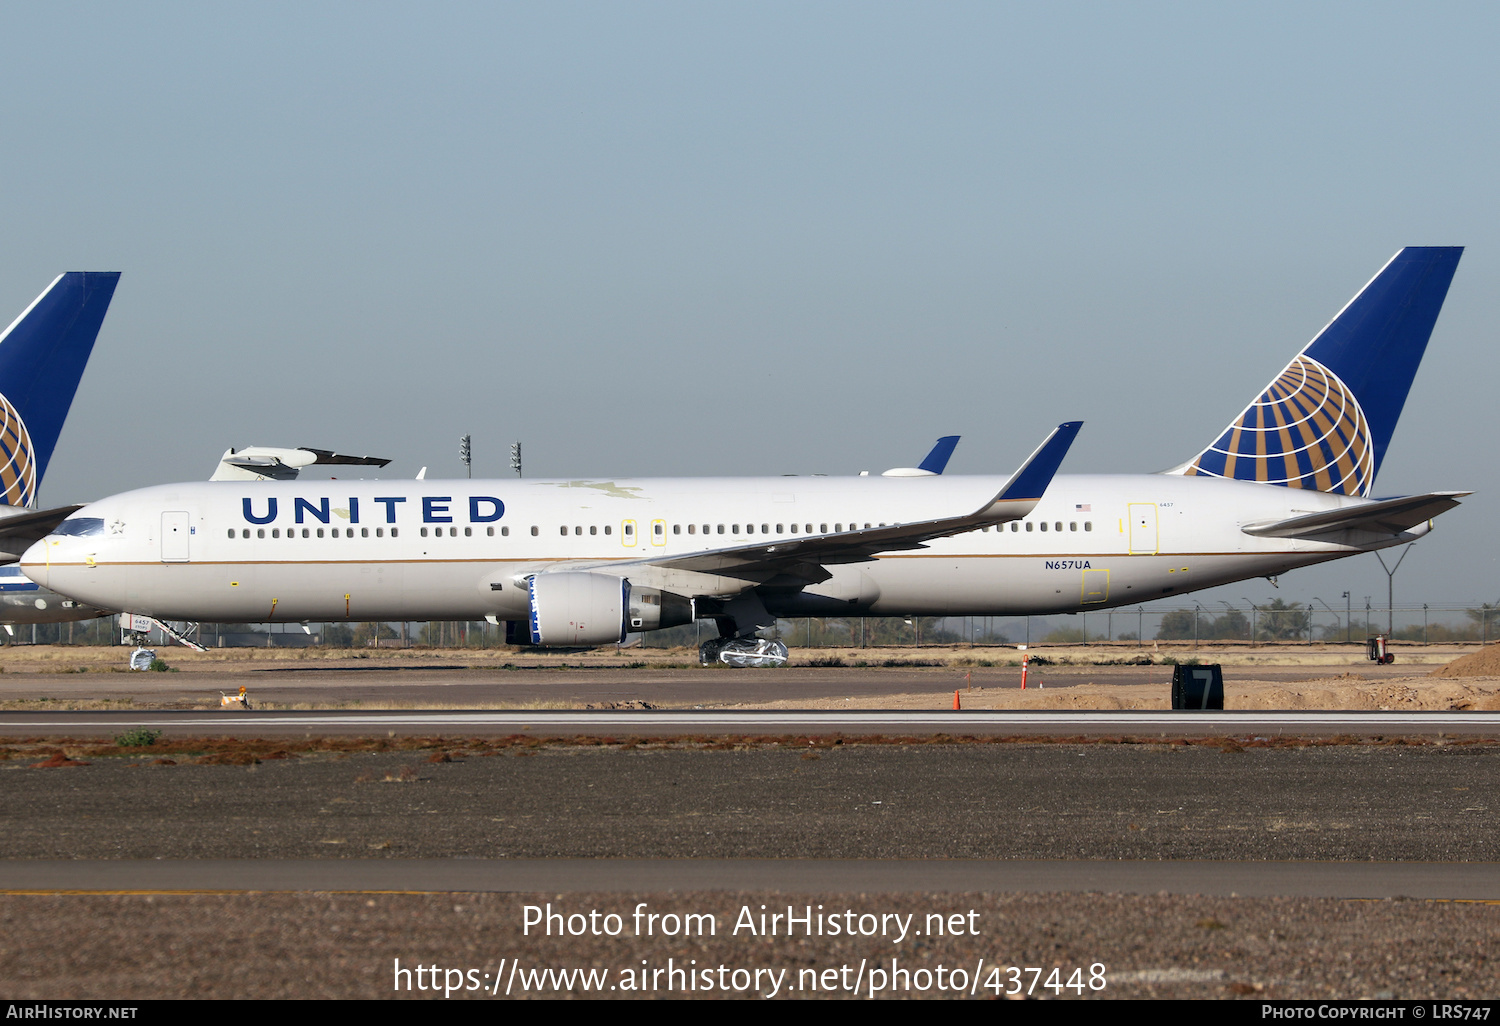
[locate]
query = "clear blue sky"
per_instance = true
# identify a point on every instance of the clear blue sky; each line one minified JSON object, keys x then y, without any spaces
{"x":760,"y":238}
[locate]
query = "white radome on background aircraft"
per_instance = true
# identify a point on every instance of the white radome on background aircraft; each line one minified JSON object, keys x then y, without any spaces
{"x":580,"y":562}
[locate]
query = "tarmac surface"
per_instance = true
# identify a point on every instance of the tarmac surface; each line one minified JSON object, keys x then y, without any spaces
{"x":380,"y":684}
{"x":1291,"y":863}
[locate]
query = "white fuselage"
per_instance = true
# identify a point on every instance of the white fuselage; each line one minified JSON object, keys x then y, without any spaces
{"x":460,"y":549}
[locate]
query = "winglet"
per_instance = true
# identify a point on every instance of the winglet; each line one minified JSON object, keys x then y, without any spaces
{"x":937,"y":460}
{"x":1028,"y":483}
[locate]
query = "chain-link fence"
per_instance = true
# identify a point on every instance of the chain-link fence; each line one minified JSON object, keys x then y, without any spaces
{"x":1278,"y":622}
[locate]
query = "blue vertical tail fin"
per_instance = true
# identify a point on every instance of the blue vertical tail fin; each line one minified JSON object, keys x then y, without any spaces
{"x":42,"y":357}
{"x":1324,"y":423}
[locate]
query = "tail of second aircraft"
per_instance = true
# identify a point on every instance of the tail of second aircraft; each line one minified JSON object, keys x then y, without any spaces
{"x":42,"y":357}
{"x":1324,"y":423}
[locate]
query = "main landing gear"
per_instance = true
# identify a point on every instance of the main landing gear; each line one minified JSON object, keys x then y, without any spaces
{"x":741,"y":652}
{"x":738,"y":620}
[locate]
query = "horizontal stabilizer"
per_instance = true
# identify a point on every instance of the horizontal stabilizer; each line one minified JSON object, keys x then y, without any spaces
{"x":1387,"y":516}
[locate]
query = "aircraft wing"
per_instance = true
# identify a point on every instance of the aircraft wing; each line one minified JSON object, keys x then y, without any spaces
{"x":20,"y":529}
{"x":1386,"y":516}
{"x":805,"y":557}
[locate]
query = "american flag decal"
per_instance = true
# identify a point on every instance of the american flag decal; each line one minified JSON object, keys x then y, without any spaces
{"x":1084,"y":507}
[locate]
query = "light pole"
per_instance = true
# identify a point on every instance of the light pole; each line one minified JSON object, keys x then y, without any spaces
{"x":1330,"y":609}
{"x":1227,"y":606}
{"x":1390,"y":584}
{"x":1196,"y":610}
{"x":1252,"y":619}
{"x":1348,"y":624}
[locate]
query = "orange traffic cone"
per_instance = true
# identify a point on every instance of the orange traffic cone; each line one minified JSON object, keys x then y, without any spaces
{"x":955,"y":701}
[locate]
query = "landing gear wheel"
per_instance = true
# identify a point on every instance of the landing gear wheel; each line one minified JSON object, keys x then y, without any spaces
{"x":742,"y":652}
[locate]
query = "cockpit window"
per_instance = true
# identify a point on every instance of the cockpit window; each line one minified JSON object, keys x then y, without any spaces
{"x":80,"y":527}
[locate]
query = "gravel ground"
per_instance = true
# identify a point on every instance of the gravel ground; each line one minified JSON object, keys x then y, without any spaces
{"x":1015,"y":801}
{"x":1355,"y":801}
{"x":345,"y":945}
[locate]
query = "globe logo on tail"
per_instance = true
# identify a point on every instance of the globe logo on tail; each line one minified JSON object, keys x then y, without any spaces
{"x":17,"y":462}
{"x":1305,"y":431}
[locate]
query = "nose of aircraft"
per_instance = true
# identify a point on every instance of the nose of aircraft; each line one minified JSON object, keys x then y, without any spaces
{"x":34,"y":563}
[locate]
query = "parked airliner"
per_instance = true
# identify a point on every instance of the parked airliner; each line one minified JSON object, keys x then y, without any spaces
{"x":573,"y":562}
{"x":43,"y":354}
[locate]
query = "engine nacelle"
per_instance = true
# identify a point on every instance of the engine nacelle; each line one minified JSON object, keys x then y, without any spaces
{"x":578,"y":608}
{"x":651,"y":610}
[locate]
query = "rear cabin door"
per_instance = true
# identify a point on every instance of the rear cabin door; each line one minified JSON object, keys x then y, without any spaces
{"x":1144,"y":538}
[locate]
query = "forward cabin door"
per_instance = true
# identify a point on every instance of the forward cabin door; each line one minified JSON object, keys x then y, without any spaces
{"x":174,"y":536}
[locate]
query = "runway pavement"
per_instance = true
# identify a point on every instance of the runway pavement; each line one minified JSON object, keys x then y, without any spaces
{"x":674,"y":723}
{"x":1296,"y":879}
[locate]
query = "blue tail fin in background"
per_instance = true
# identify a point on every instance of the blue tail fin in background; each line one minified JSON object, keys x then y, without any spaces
{"x":42,"y":357}
{"x":1324,"y":423}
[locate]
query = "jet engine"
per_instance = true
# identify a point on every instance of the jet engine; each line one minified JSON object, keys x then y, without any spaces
{"x":572,"y":607}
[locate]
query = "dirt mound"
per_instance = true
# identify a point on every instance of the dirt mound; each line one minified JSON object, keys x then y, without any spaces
{"x":1484,"y":663}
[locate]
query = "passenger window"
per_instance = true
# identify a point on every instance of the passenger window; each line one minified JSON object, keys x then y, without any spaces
{"x":838,"y":528}
{"x":1029,"y":525}
{"x":608,"y":529}
{"x":1073,"y":527}
{"x":562,"y":531}
{"x":424,"y":532}
{"x":306,"y":533}
{"x":593,"y":529}
{"x":630,"y":530}
{"x":260,"y":532}
{"x":275,"y":532}
{"x":765,"y":528}
{"x":794,"y":528}
{"x":468,"y":532}
{"x":393,"y":532}
{"x":1088,"y":525}
{"x":1044,"y":525}
{"x":676,"y":528}
{"x":578,"y":531}
{"x":245,"y":533}
{"x":320,"y":532}
{"x":380,"y":532}
{"x":736,"y":529}
{"x":721,"y":528}
{"x":231,"y":532}
{"x":1058,"y":525}
{"x":822,"y":528}
{"x":534,"y":532}
{"x":692,"y":528}
{"x":1014,"y":527}
{"x":809,"y":528}
{"x":780,"y":529}
{"x":657,"y":530}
